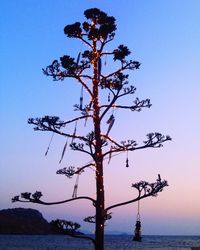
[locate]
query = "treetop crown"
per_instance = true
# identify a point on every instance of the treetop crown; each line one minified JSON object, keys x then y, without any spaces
{"x":101,"y":26}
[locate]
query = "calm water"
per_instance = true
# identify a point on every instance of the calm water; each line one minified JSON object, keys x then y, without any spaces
{"x":112,"y":242}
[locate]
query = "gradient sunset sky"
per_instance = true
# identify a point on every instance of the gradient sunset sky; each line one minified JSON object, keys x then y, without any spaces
{"x":165,"y":37}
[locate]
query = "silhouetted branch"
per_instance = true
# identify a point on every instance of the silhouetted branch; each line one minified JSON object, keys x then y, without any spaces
{"x":79,"y":147}
{"x":76,"y":119}
{"x":92,"y":219}
{"x":154,"y":140}
{"x":113,"y":141}
{"x":84,"y":85}
{"x":131,"y":65}
{"x":68,"y":228}
{"x":145,"y":190}
{"x":50,"y":123}
{"x":137,"y":107}
{"x":35,"y":198}
{"x":69,"y":172}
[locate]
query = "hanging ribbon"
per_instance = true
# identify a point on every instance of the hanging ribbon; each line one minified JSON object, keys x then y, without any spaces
{"x":78,"y":58}
{"x":74,"y":133}
{"x":49,"y":145}
{"x":64,"y":149}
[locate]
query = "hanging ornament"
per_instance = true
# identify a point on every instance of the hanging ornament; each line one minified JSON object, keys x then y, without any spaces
{"x":85,"y":121}
{"x":64,"y":149}
{"x":74,"y":195}
{"x":105,"y":60}
{"x":81,"y":99}
{"x":74,"y":132}
{"x":109,"y":97}
{"x":110,"y":121}
{"x":127,"y":161}
{"x":49,"y":145}
{"x":78,"y":58}
{"x":137,"y":232}
{"x":110,"y":154}
{"x":88,"y":107}
{"x":137,"y":236}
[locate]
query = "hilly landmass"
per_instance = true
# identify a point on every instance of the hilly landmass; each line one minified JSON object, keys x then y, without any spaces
{"x":23,"y":221}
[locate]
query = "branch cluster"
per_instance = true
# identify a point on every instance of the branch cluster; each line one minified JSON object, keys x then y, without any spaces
{"x":28,"y":197}
{"x":46,"y":123}
{"x":92,"y":219}
{"x":145,"y":189}
{"x":154,"y":140}
{"x":64,"y":226}
{"x":150,"y":189}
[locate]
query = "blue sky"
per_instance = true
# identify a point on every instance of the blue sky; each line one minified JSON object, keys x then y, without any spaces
{"x":164,"y":36}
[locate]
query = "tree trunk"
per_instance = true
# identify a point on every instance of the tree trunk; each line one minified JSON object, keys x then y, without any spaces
{"x":99,"y":230}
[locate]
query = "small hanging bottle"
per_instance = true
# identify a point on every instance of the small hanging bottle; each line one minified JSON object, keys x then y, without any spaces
{"x":109,"y":97}
{"x":127,"y":161}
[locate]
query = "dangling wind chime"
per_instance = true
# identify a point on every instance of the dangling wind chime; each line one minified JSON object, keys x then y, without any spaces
{"x":137,"y":232}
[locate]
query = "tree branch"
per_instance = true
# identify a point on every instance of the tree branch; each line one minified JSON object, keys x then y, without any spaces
{"x":110,"y":105}
{"x":48,"y":123}
{"x":75,"y":119}
{"x":154,"y":140}
{"x":148,"y":189}
{"x":112,"y":141}
{"x":35,"y":198}
{"x":82,"y":39}
{"x":84,"y":85}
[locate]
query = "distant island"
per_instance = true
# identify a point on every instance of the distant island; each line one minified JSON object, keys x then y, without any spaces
{"x":23,"y":221}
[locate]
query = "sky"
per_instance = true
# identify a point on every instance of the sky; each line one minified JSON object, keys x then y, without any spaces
{"x":164,"y":36}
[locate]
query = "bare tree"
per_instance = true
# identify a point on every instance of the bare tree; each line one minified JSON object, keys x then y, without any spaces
{"x":96,"y":32}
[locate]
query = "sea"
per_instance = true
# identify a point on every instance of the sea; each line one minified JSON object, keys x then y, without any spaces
{"x":112,"y":242}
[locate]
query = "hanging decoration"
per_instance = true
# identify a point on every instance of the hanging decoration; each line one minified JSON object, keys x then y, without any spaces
{"x":49,"y":144}
{"x":81,"y":98}
{"x":109,"y":97}
{"x":127,"y":161}
{"x":78,"y":58}
{"x":88,"y":110}
{"x":110,"y":154}
{"x":64,"y":149}
{"x":105,"y":60}
{"x":137,"y":232}
{"x":110,"y":121}
{"x":74,"y":195}
{"x":74,"y":132}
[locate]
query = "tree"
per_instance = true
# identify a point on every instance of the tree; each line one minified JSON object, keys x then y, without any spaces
{"x":96,"y":32}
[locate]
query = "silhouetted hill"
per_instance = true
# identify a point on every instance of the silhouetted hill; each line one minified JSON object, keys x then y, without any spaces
{"x":22,"y":221}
